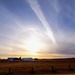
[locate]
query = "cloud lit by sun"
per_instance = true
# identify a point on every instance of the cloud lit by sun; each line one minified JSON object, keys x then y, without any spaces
{"x":33,"y":44}
{"x":33,"y":41}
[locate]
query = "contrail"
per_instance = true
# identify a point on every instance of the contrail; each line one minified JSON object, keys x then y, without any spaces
{"x":36,"y":8}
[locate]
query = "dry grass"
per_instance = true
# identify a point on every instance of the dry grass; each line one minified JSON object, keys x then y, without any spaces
{"x":49,"y":67}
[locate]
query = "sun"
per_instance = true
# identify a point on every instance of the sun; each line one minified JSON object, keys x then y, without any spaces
{"x":33,"y":45}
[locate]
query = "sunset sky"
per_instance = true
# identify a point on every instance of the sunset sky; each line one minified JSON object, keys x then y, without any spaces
{"x":37,"y":28}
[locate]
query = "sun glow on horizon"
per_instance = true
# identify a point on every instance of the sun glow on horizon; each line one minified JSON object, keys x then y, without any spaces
{"x":33,"y":45}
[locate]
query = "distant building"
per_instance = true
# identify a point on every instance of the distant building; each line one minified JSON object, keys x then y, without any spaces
{"x":10,"y":59}
{"x":14,"y":59}
{"x":35,"y":58}
{"x":27,"y":59}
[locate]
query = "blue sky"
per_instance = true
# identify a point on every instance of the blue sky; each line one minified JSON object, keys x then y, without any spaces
{"x":51,"y":23}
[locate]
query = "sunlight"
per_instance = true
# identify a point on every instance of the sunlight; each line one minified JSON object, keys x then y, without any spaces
{"x":33,"y":45}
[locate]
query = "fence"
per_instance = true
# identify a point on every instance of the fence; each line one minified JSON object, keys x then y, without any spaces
{"x":32,"y":70}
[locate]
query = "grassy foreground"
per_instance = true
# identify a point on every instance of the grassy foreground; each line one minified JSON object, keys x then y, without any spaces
{"x":39,"y":67}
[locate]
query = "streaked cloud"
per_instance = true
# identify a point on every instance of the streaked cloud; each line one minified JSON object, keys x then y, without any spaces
{"x":37,"y":9}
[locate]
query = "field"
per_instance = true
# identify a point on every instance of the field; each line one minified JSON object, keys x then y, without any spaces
{"x":38,"y":67}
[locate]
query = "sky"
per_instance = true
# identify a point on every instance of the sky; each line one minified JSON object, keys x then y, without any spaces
{"x":37,"y":28}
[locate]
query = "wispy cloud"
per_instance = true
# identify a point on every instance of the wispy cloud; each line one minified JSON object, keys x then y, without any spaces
{"x":9,"y":15}
{"x":37,"y":9}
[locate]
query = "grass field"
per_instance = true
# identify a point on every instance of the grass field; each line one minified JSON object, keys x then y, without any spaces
{"x":39,"y":67}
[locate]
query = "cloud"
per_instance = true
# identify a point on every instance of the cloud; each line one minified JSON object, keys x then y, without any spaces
{"x":10,"y":16}
{"x":37,"y":9}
